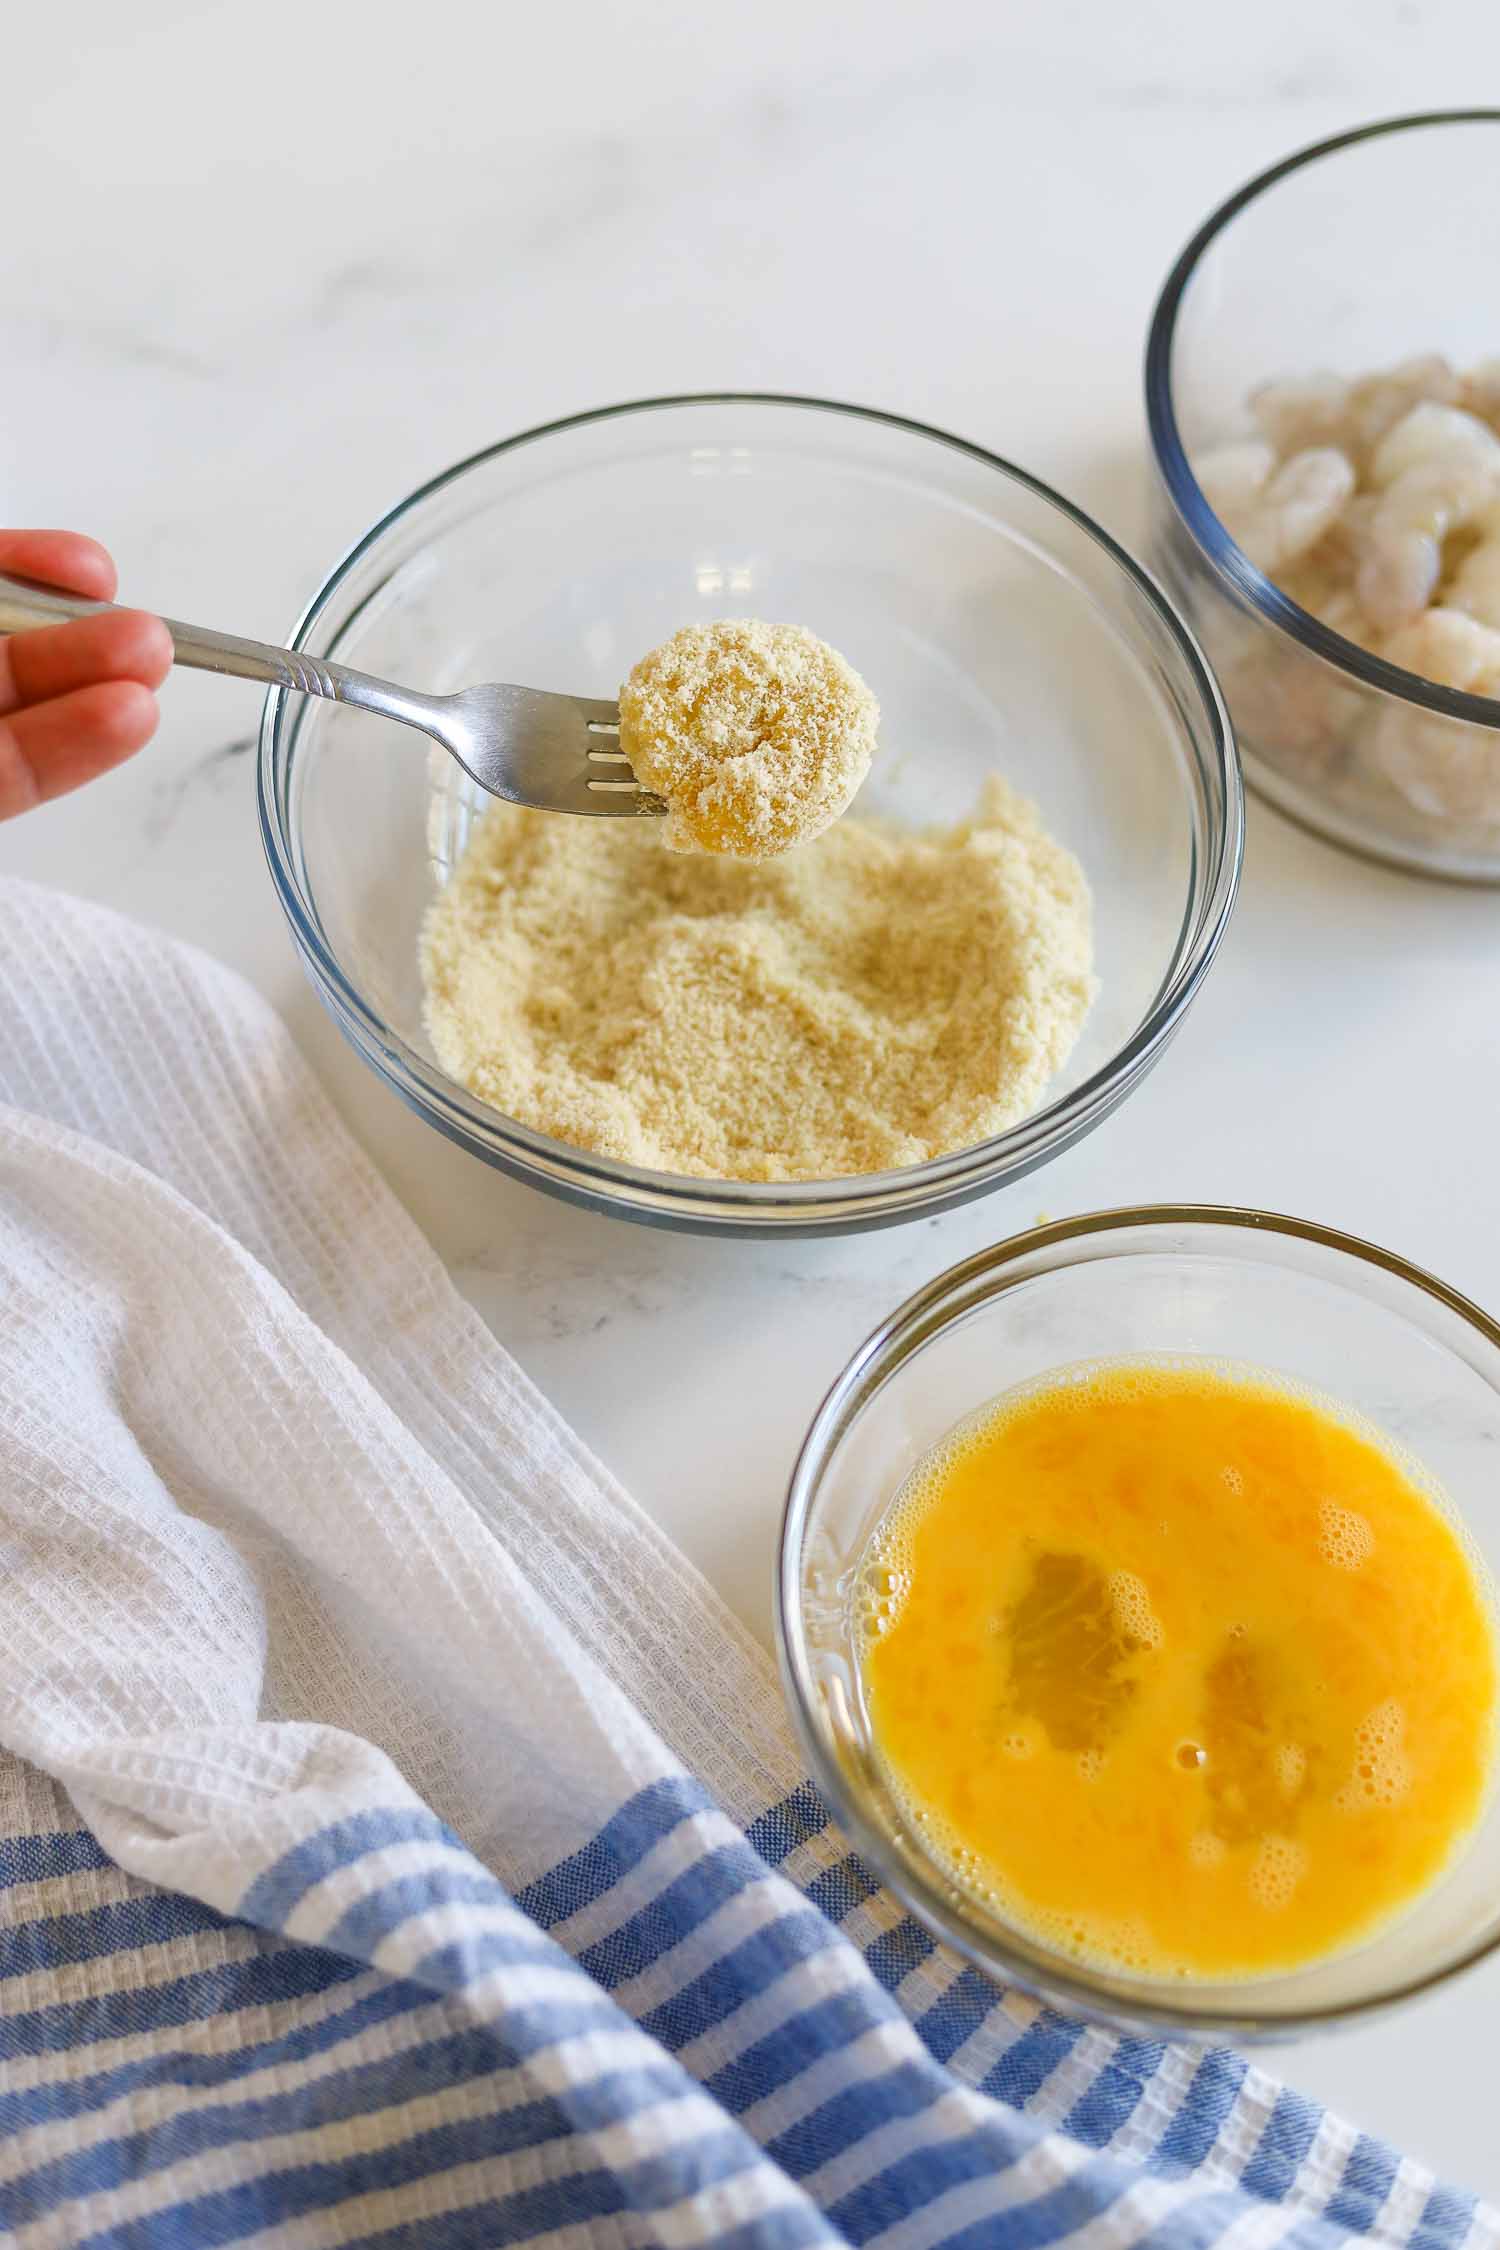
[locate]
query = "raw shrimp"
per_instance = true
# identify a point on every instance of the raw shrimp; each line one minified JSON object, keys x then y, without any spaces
{"x":1378,"y":402}
{"x":1403,"y":559}
{"x":1375,"y":506}
{"x":1232,"y":477}
{"x":1475,"y":586}
{"x":1481,"y":392}
{"x":1449,"y":648}
{"x":1429,"y":434}
{"x":1303,"y":411}
{"x":1443,"y":768}
{"x":1339,"y":610}
{"x":1322,"y":580}
{"x":1295,"y":711}
{"x":1437,"y":469}
{"x":1278,"y":517}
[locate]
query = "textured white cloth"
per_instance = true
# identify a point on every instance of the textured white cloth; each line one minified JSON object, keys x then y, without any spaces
{"x":295,"y":1559}
{"x":299,"y":1478}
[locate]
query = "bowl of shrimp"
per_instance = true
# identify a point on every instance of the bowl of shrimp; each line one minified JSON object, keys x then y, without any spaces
{"x":1323,"y":397}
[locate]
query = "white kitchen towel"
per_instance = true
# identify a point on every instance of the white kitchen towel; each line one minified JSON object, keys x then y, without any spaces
{"x":399,"y":1843}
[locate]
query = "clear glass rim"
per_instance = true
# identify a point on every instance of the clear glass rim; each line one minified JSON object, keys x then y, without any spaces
{"x":1231,"y":562}
{"x":954,"y":1294}
{"x":733,"y":1206}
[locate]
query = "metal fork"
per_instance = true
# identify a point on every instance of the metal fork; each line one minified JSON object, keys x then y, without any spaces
{"x":559,"y":753}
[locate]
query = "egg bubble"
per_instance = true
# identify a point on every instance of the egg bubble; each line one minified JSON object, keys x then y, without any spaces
{"x":1291,"y":1767}
{"x":1233,"y":1481}
{"x":1019,"y":1742}
{"x":1382,"y":1769}
{"x":882,"y":1587}
{"x":1132,"y":1606}
{"x":1091,"y":1762}
{"x":1207,"y":1851}
{"x":1277,"y":1868}
{"x":1107,"y":1941}
{"x":1345,"y":1540}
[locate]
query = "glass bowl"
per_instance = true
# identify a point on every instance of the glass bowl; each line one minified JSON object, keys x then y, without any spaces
{"x":1350,"y":256}
{"x":998,"y":626}
{"x":1331,"y":1313}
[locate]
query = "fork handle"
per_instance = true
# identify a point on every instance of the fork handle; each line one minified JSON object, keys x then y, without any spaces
{"x":24,"y":605}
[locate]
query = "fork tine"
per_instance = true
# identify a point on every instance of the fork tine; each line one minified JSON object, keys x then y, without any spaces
{"x":552,"y":752}
{"x":602,"y":733}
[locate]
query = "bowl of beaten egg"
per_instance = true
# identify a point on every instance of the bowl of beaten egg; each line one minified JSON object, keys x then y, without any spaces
{"x":1136,"y":1608}
{"x":1008,"y":925}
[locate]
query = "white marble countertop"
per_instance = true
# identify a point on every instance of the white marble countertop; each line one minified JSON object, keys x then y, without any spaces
{"x":258,"y":283}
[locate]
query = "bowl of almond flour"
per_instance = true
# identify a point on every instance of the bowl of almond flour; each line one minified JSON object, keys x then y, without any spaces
{"x":1003,"y":855}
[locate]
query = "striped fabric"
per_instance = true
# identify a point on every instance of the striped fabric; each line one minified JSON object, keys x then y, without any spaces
{"x":398,"y":1845}
{"x":682,"y":2033}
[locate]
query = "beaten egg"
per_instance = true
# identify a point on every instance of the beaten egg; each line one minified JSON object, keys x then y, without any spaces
{"x":1182,"y":1671}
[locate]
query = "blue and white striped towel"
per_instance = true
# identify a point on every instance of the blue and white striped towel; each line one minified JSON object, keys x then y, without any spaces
{"x":400,"y":1844}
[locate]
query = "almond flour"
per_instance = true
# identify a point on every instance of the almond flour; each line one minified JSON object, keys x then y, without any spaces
{"x":870,"y":1001}
{"x":756,"y":735}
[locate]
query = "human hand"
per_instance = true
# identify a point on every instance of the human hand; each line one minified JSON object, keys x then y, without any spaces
{"x":76,"y":698}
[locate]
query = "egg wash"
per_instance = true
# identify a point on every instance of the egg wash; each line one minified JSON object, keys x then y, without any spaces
{"x":1182,"y":1671}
